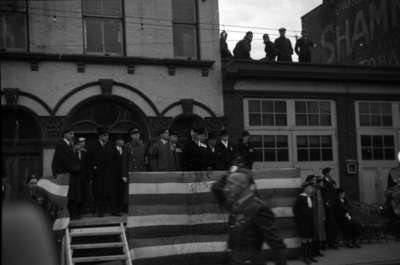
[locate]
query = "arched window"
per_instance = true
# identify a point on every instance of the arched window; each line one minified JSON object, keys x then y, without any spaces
{"x":21,"y":146}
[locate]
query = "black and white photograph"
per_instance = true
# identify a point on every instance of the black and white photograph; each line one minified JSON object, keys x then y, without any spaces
{"x":200,"y":132}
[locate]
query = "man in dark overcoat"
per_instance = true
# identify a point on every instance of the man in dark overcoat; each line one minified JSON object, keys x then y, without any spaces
{"x":224,"y":152}
{"x":64,"y":159}
{"x":329,"y":197}
{"x":135,"y":153}
{"x":98,"y":152}
{"x":192,"y":156}
{"x":243,"y":47}
{"x":303,"y":47}
{"x":245,"y":149}
{"x":283,"y":47}
{"x":161,"y":153}
{"x":223,"y":46}
{"x":251,"y":222}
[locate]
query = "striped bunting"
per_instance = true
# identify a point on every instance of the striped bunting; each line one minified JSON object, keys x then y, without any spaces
{"x":173,"y":216}
{"x":57,"y":191}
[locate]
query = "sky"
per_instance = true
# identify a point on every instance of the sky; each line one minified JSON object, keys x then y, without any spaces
{"x":267,"y":16}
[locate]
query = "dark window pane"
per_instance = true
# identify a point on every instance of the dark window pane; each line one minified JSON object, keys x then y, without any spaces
{"x":282,"y":141}
{"x":13,"y":31}
{"x":111,"y":8}
{"x":12,"y":5}
{"x":387,"y":120}
{"x":325,"y":107}
{"x":302,"y":155}
{"x":366,"y":140}
{"x":376,"y":108}
{"x":301,"y":119}
{"x":302,"y":141}
{"x":388,"y":141}
{"x":366,"y":153}
{"x":313,"y":120}
{"x":256,"y":141}
{"x":185,"y":42}
{"x":113,"y":36}
{"x":301,"y":107}
{"x":92,"y":7}
{"x":312,"y":107}
{"x":269,"y":141}
{"x":280,"y":120}
{"x":364,"y":120}
{"x":325,"y":119}
{"x":184,"y":11}
{"x":280,"y":106}
{"x":327,"y":154}
{"x":94,"y":40}
{"x":315,"y":155}
{"x":387,"y":108}
{"x":375,"y":120}
{"x":254,"y":106}
{"x":283,"y":155}
{"x":269,"y":155}
{"x":315,"y":141}
{"x":268,"y":106}
{"x":326,"y":141}
{"x":377,"y":153}
{"x":268,"y":120}
{"x":377,"y":141}
{"x":389,"y":154}
{"x":364,"y":108}
{"x":255,"y":119}
{"x":258,"y":155}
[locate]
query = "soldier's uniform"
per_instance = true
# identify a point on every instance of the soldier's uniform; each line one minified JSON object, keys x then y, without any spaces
{"x":251,"y":223}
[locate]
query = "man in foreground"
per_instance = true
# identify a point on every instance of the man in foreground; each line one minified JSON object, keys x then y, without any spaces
{"x":251,"y":222}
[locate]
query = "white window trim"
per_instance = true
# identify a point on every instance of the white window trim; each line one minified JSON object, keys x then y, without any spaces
{"x":395,"y":115}
{"x":276,"y":133}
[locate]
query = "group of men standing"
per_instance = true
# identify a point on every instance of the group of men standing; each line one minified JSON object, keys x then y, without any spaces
{"x":280,"y":50}
{"x":102,"y":167}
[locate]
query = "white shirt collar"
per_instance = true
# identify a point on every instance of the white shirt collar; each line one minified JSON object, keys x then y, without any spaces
{"x":225,"y":143}
{"x":163,"y":141}
{"x":67,"y":142}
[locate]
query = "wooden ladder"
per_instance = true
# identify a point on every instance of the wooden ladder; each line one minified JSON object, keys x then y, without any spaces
{"x":71,"y":249}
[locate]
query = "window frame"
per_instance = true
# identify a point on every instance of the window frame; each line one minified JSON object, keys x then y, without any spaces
{"x":358,"y":114}
{"x":275,"y":134}
{"x":197,"y":33}
{"x":381,"y":134}
{"x":27,"y":35}
{"x":120,"y":19}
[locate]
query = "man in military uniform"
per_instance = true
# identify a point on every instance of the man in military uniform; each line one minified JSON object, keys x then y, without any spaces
{"x":251,"y":222}
{"x":135,"y":154}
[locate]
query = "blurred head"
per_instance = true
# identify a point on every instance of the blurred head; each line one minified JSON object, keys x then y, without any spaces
{"x":103,"y":134}
{"x":134,"y":134}
{"x":266,"y":38}
{"x":245,"y":136}
{"x":119,"y":141}
{"x":164,"y":134}
{"x":224,"y":35}
{"x":212,"y":140}
{"x":173,"y":139}
{"x":80,"y":144}
{"x":341,"y":193}
{"x":326,"y":171}
{"x":202,"y":137}
{"x":69,"y":135}
{"x":237,"y":185}
{"x":282,"y":32}
{"x":249,"y":35}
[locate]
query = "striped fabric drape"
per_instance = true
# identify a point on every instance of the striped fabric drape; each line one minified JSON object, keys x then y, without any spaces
{"x":174,"y":219}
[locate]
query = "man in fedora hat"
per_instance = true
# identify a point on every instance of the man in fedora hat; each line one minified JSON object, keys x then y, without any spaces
{"x":192,"y":156}
{"x":329,"y":197}
{"x":251,"y":222}
{"x":224,"y":151}
{"x":283,"y":47}
{"x":64,"y":159}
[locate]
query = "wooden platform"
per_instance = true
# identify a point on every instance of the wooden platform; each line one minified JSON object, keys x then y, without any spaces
{"x":94,"y":221}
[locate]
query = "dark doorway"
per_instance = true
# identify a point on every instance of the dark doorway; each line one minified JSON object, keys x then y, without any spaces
{"x":21,"y":148}
{"x":184,"y":122}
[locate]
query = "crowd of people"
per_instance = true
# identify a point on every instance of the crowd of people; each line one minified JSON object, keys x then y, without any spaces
{"x":281,"y":50}
{"x":322,"y":210}
{"x":102,"y":167}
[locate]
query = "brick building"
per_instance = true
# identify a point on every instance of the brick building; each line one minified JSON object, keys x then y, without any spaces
{"x":118,"y":63}
{"x":314,"y":116}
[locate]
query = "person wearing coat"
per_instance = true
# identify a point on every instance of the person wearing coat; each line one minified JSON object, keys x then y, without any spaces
{"x":161,"y":153}
{"x":135,"y":154}
{"x":99,"y":153}
{"x":223,"y":46}
{"x":64,"y":159}
{"x":243,"y":47}
{"x":78,"y":182}
{"x":192,"y":156}
{"x":245,"y":149}
{"x":225,"y":152}
{"x":251,"y":222}
{"x":270,"y":51}
{"x":283,"y":47}
{"x":304,"y":216}
{"x":350,"y":227}
{"x":303,"y":48}
{"x":211,"y":152}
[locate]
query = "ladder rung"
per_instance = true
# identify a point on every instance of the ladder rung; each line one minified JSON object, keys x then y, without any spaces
{"x":99,"y":258}
{"x":94,"y":231}
{"x":97,"y":245}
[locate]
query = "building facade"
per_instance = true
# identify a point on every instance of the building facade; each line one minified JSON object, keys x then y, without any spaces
{"x":316,"y":116}
{"x":117,"y":63}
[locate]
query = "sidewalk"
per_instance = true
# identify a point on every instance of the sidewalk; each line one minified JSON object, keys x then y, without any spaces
{"x":381,"y":253}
